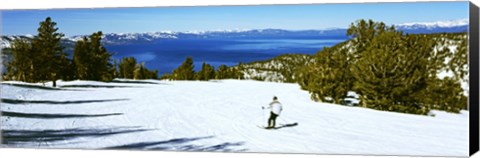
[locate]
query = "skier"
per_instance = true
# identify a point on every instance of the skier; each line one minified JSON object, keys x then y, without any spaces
{"x":276,"y":107}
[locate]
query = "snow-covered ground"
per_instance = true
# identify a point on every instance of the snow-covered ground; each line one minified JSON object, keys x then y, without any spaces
{"x":214,"y":116}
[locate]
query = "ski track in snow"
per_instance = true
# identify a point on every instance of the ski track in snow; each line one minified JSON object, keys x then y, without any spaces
{"x":218,"y":115}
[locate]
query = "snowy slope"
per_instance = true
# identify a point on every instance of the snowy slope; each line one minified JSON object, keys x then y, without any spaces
{"x":215,"y":116}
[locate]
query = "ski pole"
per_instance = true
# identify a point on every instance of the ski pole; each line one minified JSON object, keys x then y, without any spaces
{"x":286,"y":122}
{"x":263,"y":114}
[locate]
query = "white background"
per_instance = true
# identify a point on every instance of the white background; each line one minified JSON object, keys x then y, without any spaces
{"x":45,"y":4}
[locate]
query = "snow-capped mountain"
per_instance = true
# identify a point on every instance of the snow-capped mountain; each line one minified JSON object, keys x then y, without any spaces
{"x":125,"y":38}
{"x":121,"y":38}
{"x":436,"y":24}
{"x":460,"y":25}
{"x":218,"y":34}
{"x":6,"y":41}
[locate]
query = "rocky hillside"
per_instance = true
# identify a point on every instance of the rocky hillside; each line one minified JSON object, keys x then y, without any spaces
{"x":278,"y":69}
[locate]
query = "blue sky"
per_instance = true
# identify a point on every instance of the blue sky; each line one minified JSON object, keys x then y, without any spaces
{"x":291,"y":17}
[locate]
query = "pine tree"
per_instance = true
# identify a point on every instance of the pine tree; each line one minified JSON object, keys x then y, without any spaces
{"x":329,"y":76}
{"x":21,"y":68}
{"x":459,"y":61}
{"x":92,"y":61}
{"x":222,"y":72}
{"x":67,"y":73}
{"x":444,"y":94}
{"x":304,"y":77}
{"x":49,"y":59}
{"x":115,"y":69}
{"x":44,"y":56}
{"x":363,"y":33}
{"x":206,"y":73}
{"x":141,"y":72}
{"x":127,"y":67}
{"x":437,"y":60}
{"x":184,"y":71}
{"x":166,"y":76}
{"x":101,"y":59}
{"x":392,"y":72}
{"x":239,"y":71}
{"x":82,"y":57}
{"x":154,"y":74}
{"x":138,"y":73}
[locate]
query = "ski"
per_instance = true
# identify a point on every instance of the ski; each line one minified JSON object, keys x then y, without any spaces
{"x":263,"y":127}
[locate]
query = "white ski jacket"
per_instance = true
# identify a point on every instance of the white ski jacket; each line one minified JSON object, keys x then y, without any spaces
{"x":276,"y":107}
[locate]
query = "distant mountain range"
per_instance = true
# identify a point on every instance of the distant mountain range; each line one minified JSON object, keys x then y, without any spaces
{"x":125,"y":38}
{"x":460,"y":25}
{"x":122,"y":38}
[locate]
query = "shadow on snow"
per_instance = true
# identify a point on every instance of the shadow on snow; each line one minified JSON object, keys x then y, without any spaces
{"x":50,"y":136}
{"x":18,"y":101}
{"x":35,"y":87}
{"x":180,"y":144}
{"x":287,"y":125}
{"x":94,"y":86}
{"x":52,"y":116}
{"x":135,"y":82}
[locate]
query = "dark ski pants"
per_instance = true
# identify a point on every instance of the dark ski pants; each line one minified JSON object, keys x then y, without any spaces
{"x":271,"y":120}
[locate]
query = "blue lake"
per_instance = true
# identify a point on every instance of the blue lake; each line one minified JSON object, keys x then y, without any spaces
{"x":166,"y":55}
